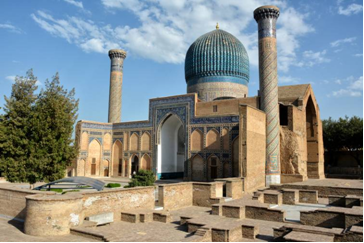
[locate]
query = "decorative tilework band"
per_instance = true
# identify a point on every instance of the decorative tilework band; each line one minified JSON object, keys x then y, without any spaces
{"x":116,"y":80}
{"x":266,"y":18}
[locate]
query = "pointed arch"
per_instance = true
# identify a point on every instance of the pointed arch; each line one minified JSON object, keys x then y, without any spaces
{"x":235,"y":156}
{"x":94,"y":158}
{"x":107,"y":141}
{"x":117,"y":158}
{"x":197,"y":168}
{"x":225,"y":139}
{"x":134,"y":142}
{"x":146,"y":162}
{"x":196,"y":140}
{"x":84,"y":141}
{"x":134,"y":163}
{"x":213,"y":163}
{"x":213,"y":140}
{"x":81,"y":167}
{"x":106,"y":168}
{"x":146,"y":142}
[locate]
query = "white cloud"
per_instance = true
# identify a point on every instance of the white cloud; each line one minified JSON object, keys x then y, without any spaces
{"x":11,"y":28}
{"x":342,"y":41}
{"x":311,"y":58}
{"x":288,"y":79}
{"x":354,"y":88}
{"x":75,"y":3}
{"x":166,"y":29}
{"x":79,"y":5}
{"x":351,"y":9}
{"x":358,"y":55}
{"x":10,"y":78}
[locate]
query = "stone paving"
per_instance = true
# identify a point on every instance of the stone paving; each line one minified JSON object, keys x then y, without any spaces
{"x":12,"y":231}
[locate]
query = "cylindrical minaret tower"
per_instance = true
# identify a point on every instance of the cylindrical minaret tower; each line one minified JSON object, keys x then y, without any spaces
{"x":116,"y":80}
{"x":266,"y":17}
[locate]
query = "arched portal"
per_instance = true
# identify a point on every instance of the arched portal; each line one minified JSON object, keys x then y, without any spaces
{"x":213,"y":163}
{"x":171,"y":149}
{"x":94,"y":157}
{"x":106,"y":168}
{"x":117,"y":158}
{"x":134,"y":164}
{"x":197,"y":168}
{"x":235,"y":155}
{"x":145,"y":163}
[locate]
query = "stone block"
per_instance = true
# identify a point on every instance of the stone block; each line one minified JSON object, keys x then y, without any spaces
{"x":164,"y":217}
{"x":233,"y":211}
{"x":249,"y":231}
{"x":353,"y":200}
{"x":216,"y":210}
{"x":308,"y":196}
{"x":290,"y":197}
{"x":146,"y":217}
{"x":273,"y":198}
{"x":336,"y":200}
{"x":226,"y":235}
{"x":264,"y":213}
{"x":102,"y":218}
{"x":184,"y":220}
{"x":130,"y":217}
{"x":193,"y":227}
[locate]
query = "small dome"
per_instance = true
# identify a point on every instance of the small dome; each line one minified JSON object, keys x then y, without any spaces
{"x":217,"y":53}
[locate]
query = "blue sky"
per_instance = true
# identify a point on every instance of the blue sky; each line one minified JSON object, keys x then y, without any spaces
{"x":319,"y":42}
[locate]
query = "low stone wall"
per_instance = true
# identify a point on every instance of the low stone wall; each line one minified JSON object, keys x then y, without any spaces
{"x":308,"y":196}
{"x":234,"y":187}
{"x":289,"y":178}
{"x":268,"y":214}
{"x":332,"y":217}
{"x":12,"y":201}
{"x":49,"y":215}
{"x":175,"y":196}
{"x":118,"y":200}
{"x":323,"y":191}
{"x":207,"y":193}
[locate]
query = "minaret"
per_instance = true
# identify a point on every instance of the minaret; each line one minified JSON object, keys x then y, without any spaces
{"x":116,"y":80}
{"x":266,"y":17}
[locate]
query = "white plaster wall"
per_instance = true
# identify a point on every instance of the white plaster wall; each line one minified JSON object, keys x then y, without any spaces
{"x":168,"y":161}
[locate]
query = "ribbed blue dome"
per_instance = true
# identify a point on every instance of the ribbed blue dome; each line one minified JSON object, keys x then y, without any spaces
{"x":217,"y":53}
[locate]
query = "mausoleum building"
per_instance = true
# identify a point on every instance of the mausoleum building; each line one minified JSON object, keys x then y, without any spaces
{"x":215,"y":130}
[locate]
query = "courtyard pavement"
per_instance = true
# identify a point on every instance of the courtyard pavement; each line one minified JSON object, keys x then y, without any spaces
{"x":12,"y":231}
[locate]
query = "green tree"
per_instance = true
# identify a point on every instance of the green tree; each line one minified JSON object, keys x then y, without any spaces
{"x":36,"y":131}
{"x":55,"y":116}
{"x":142,"y":178}
{"x":17,"y":148}
{"x":343,"y":134}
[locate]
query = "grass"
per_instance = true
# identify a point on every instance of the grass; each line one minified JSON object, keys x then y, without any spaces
{"x":53,"y":190}
{"x":70,"y":191}
{"x":113,"y":185}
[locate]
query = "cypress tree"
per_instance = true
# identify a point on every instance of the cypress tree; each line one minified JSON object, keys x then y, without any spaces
{"x":17,"y":148}
{"x":36,"y":131}
{"x":55,"y":116}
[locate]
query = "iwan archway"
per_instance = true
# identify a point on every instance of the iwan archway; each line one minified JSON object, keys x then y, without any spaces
{"x":171,"y":149}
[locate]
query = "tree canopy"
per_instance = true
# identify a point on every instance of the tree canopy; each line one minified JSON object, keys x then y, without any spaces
{"x":36,"y":131}
{"x":343,"y":134}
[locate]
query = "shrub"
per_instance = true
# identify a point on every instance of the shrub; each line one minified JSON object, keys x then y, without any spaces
{"x":142,"y":178}
{"x":112,"y":185}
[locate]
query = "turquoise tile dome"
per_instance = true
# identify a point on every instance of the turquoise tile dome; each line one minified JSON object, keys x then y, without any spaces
{"x":220,"y":57}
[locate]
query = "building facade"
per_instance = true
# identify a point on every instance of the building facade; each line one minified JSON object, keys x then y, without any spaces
{"x":215,"y":130}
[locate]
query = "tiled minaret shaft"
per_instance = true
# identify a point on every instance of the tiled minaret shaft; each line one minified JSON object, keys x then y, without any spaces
{"x":116,"y":80}
{"x":266,"y":17}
